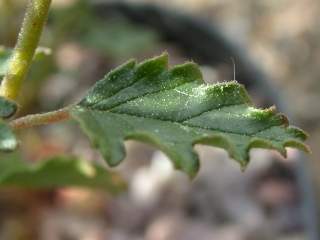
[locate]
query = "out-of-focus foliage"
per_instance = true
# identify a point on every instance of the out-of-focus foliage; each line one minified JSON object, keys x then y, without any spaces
{"x":113,"y":37}
{"x":42,"y":66}
{"x":7,"y":108}
{"x":59,"y":171}
{"x":11,"y":13}
{"x":5,"y":54}
{"x":8,"y":140}
{"x":4,"y":58}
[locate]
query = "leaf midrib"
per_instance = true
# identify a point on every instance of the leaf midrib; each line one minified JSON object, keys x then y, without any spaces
{"x":140,"y":96}
{"x":190,"y":125}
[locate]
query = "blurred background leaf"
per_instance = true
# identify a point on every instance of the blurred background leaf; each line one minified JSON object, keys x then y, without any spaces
{"x":55,"y":172}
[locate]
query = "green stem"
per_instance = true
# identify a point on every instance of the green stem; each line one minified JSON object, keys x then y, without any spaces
{"x":41,"y":119}
{"x":34,"y":20}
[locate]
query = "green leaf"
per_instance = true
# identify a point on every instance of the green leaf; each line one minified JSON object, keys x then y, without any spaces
{"x":8,"y":141}
{"x":174,"y":110}
{"x":56,"y":172}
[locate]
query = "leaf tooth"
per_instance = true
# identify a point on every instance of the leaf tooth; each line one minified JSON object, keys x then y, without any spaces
{"x":181,"y":155}
{"x":184,"y":158}
{"x":297,"y":133}
{"x":231,"y":90}
{"x":222,"y":141}
{"x":109,"y":85}
{"x":112,"y":150}
{"x":242,"y":157}
{"x":233,"y":87}
{"x":266,"y":144}
{"x":283,"y":119}
{"x":189,"y":71}
{"x":272,"y":111}
{"x":122,"y":69}
{"x":114,"y":153}
{"x":217,"y":140}
{"x":152,"y":67}
{"x":298,"y":145}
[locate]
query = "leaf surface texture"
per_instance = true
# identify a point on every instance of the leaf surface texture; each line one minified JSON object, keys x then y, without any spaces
{"x":174,"y":109}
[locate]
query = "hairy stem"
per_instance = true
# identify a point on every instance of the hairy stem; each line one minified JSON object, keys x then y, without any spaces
{"x":41,"y":119}
{"x":34,"y":20}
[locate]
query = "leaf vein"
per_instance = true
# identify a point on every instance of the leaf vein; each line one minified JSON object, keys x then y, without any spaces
{"x":144,"y":95}
{"x":189,"y":125}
